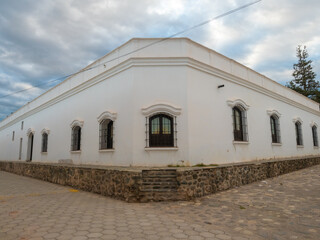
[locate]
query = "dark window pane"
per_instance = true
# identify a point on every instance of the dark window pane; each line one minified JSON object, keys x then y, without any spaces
{"x":161,"y":131}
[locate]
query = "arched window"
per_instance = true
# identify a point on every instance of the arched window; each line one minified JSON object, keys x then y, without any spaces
{"x":315,"y":136}
{"x":239,"y":124}
{"x":161,"y":131}
{"x":161,"y":126}
{"x":106,"y":134}
{"x":298,"y":133}
{"x":44,"y":145}
{"x":76,"y":138}
{"x":239,"y":118}
{"x":275,"y":129}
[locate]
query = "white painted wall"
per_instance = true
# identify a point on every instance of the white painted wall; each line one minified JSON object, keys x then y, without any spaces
{"x":178,"y":72}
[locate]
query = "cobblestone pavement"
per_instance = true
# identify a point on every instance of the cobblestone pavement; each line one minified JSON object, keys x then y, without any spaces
{"x":287,"y":207}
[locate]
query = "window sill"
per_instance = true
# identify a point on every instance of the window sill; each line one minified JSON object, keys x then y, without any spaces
{"x":79,"y":151}
{"x":45,"y":153}
{"x":315,"y":147}
{"x":276,"y":144}
{"x":161,"y":149}
{"x":241,"y":142}
{"x":300,"y":146}
{"x":106,"y":150}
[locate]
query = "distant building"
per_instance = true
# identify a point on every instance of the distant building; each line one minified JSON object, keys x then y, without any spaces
{"x":173,"y":102}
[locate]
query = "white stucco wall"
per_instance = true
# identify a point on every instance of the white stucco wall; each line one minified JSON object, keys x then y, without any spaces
{"x":177,"y":72}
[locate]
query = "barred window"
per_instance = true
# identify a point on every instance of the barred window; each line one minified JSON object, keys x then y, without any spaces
{"x":275,"y":129}
{"x":161,"y":131}
{"x":298,"y":133}
{"x":240,"y":132}
{"x":106,"y":134}
{"x":315,"y":136}
{"x":76,"y":138}
{"x":44,"y":146}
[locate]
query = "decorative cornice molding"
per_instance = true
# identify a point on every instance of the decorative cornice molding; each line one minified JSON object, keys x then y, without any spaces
{"x":313,"y":123}
{"x":76,"y":123}
{"x":271,"y":112}
{"x":297,"y":119}
{"x":45,"y":130}
{"x":161,"y":107}
{"x":181,"y":61}
{"x":238,"y":102}
{"x":107,"y":115}
{"x":30,"y":131}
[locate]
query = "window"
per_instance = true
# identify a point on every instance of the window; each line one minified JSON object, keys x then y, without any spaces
{"x":315,"y":136}
{"x":161,"y":131}
{"x":13,"y":135}
{"x":106,"y":134}
{"x":298,"y":133}
{"x":275,"y":129}
{"x":22,"y":125}
{"x":76,"y":138}
{"x":20,"y":148}
{"x":239,"y":124}
{"x":161,"y":126}
{"x":44,"y":146}
{"x":239,"y":118}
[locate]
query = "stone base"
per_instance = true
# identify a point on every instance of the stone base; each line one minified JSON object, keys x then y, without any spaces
{"x":133,"y":185}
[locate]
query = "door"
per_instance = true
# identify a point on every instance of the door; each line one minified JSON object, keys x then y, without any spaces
{"x":30,"y":147}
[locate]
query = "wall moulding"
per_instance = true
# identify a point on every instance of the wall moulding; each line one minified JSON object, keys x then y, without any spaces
{"x":161,"y":107}
{"x":30,"y":131}
{"x":77,"y":123}
{"x":107,"y":115}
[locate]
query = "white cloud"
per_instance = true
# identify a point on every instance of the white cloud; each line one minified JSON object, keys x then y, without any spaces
{"x":41,"y":40}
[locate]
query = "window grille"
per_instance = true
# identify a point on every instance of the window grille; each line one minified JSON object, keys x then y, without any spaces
{"x":106,"y":134}
{"x":275,"y":129}
{"x":44,"y":147}
{"x":240,"y":127}
{"x":161,"y":131}
{"x":20,"y":148}
{"x":315,"y":136}
{"x":76,"y":138}
{"x":298,"y":133}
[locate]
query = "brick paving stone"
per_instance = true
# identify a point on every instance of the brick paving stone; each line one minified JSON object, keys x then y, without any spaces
{"x":286,"y":207}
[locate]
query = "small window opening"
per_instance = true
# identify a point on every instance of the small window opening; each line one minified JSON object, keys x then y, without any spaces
{"x":76,"y":138}
{"x":298,"y":133}
{"x":106,"y":134}
{"x":315,"y":136}
{"x":44,"y":147}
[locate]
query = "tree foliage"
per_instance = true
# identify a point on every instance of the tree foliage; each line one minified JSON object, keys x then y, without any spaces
{"x":304,"y":81}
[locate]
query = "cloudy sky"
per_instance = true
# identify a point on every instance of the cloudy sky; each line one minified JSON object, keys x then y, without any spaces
{"x":44,"y":40}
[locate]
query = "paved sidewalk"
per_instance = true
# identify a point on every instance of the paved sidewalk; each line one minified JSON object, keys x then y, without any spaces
{"x":287,"y":207}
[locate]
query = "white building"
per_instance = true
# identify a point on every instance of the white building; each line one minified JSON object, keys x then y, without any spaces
{"x":154,"y":102}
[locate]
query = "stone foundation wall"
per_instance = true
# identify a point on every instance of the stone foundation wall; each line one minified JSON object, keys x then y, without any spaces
{"x":124,"y":185}
{"x":133,"y":186}
{"x":204,"y":181}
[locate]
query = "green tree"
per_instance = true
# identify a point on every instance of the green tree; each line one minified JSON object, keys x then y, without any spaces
{"x":304,"y":78}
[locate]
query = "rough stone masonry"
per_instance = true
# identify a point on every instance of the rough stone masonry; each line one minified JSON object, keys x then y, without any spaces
{"x":157,"y":184}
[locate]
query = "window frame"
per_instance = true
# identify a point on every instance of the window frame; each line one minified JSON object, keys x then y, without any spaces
{"x":76,"y":125}
{"x":161,"y":139}
{"x":315,"y":139}
{"x":165,"y":109}
{"x":241,"y":107}
{"x":108,"y":136}
{"x":110,"y":117}
{"x":44,"y":143}
{"x":298,"y":131}
{"x":46,"y":132}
